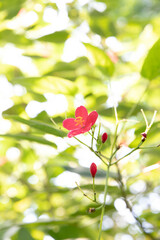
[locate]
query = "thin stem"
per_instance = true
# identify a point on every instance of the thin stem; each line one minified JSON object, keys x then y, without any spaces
{"x":92,"y":151}
{"x":115,"y":112}
{"x":138,"y":147}
{"x":104,"y":203}
{"x":94,"y":190}
{"x":146,"y":121}
{"x":124,"y":195}
{"x":147,"y":129}
{"x":107,"y":175}
{"x":82,"y":142}
{"x":85,"y":195}
{"x":114,"y":153}
{"x":115,"y":138}
{"x":92,"y":138}
{"x":150,"y":147}
{"x":99,"y":129}
{"x":107,"y":158}
{"x":150,"y":125}
{"x":99,"y":207}
{"x":98,"y":156}
{"x":153,"y":118}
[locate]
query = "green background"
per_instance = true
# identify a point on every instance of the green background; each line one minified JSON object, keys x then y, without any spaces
{"x":120,"y":51}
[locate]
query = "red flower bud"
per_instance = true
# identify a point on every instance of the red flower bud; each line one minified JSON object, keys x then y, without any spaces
{"x":144,"y":136}
{"x":104,"y":137}
{"x":93,"y":169}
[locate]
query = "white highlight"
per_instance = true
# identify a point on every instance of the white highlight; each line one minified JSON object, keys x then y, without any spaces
{"x":67,"y":179}
{"x":13,"y":154}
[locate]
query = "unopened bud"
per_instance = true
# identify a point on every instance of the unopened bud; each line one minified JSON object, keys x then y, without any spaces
{"x":91,"y":210}
{"x":93,"y":169}
{"x":104,"y":137}
{"x":144,"y":136}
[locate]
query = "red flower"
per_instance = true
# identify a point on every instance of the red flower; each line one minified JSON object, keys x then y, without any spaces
{"x":93,"y":169}
{"x":104,"y":137}
{"x":82,"y":123}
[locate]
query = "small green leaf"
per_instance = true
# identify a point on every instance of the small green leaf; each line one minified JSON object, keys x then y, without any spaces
{"x":100,"y":59}
{"x":29,"y":137}
{"x":57,"y":37}
{"x":46,"y":128}
{"x":151,"y":65}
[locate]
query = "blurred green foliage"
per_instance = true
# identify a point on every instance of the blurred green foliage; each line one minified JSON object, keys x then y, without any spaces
{"x":55,"y":55}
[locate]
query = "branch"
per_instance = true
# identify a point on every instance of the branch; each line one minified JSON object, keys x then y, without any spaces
{"x":124,"y":195}
{"x":85,"y":195}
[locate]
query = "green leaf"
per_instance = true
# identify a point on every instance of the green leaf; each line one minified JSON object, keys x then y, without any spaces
{"x":85,"y":172}
{"x":29,"y":137}
{"x":22,"y":234}
{"x":100,"y":188}
{"x":47,"y":84}
{"x":15,"y":109}
{"x":57,"y":37}
{"x":46,"y":128}
{"x":10,"y":36}
{"x":11,"y":9}
{"x":100,"y":59}
{"x":101,"y":24}
{"x":151,"y":65}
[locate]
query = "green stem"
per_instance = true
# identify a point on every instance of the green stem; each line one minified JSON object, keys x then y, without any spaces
{"x":92,"y":138}
{"x":107,"y":173}
{"x":94,"y":190}
{"x":107,"y":158}
{"x":107,"y":176}
{"x":92,"y":150}
{"x":98,"y":156}
{"x":99,"y":129}
{"x":104,"y":203}
{"x":115,"y":139}
{"x":138,"y":147}
{"x":85,"y":195}
{"x":149,"y":147}
{"x":82,"y":142}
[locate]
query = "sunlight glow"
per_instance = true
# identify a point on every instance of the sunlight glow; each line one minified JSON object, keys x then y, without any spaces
{"x":50,"y":15}
{"x":67,"y":179}
{"x":78,"y":50}
{"x":13,"y":56}
{"x":107,"y":223}
{"x":138,"y":187}
{"x":121,"y":236}
{"x":114,"y":44}
{"x":47,"y":237}
{"x":50,"y":106}
{"x":13,"y":154}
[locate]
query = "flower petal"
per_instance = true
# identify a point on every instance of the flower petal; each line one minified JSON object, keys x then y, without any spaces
{"x":70,"y":124}
{"x":92,"y":117}
{"x":81,"y":112}
{"x":78,"y":131}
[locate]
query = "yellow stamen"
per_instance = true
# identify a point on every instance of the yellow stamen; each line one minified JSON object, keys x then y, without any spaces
{"x":79,"y":121}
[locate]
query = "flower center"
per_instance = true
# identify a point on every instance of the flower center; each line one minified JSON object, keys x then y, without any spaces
{"x":79,"y":121}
